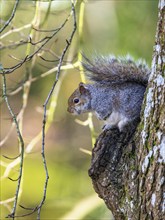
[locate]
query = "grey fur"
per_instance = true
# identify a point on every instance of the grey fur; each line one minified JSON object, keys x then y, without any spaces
{"x":125,"y":98}
{"x":109,"y":70}
{"x":116,"y":93}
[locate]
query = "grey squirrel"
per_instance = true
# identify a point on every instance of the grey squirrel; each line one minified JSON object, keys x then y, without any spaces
{"x":116,"y":92}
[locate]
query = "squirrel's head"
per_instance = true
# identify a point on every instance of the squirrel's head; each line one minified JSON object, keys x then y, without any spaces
{"x":80,"y":100}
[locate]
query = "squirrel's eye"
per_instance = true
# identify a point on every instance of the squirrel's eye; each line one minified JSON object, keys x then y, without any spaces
{"x":76,"y":100}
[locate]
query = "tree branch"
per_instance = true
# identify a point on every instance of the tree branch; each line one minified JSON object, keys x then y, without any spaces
{"x":11,"y":17}
{"x":21,"y":143}
{"x":29,"y":57}
{"x":45,"y":109}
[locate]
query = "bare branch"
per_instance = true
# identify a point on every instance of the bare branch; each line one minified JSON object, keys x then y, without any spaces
{"x":11,"y":158}
{"x":21,"y":146}
{"x":51,"y":61}
{"x":16,"y":30}
{"x":27,"y":214}
{"x":34,"y":79}
{"x":29,"y":57}
{"x":14,"y":45}
{"x":14,"y":180}
{"x":11,"y":17}
{"x":45,"y":109}
{"x":28,"y":79}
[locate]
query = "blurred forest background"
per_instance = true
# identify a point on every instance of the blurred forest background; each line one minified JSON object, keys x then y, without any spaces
{"x":108,"y":27}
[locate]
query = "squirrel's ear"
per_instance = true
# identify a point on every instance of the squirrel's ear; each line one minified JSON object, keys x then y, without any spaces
{"x":82,"y":88}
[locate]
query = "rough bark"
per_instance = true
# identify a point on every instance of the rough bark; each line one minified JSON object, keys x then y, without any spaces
{"x":127,"y":168}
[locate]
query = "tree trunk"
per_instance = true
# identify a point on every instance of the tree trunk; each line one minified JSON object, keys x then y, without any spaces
{"x":127,"y":168}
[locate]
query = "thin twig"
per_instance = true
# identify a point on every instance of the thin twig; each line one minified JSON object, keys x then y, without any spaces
{"x":49,"y":72}
{"x":14,"y":180}
{"x":51,"y":61}
{"x":2,"y":142}
{"x":39,"y":30}
{"x":11,"y":17}
{"x":7,"y":201}
{"x":45,"y":110}
{"x":15,"y":44}
{"x":68,"y":42}
{"x":21,"y":146}
{"x":29,"y":57}
{"x":33,"y":210}
{"x":11,"y":158}
{"x":15,"y":30}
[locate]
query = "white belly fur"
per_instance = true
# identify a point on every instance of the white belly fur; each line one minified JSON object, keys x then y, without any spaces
{"x":116,"y":120}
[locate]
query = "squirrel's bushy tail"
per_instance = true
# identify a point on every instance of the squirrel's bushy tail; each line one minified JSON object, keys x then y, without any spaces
{"x":110,"y":70}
